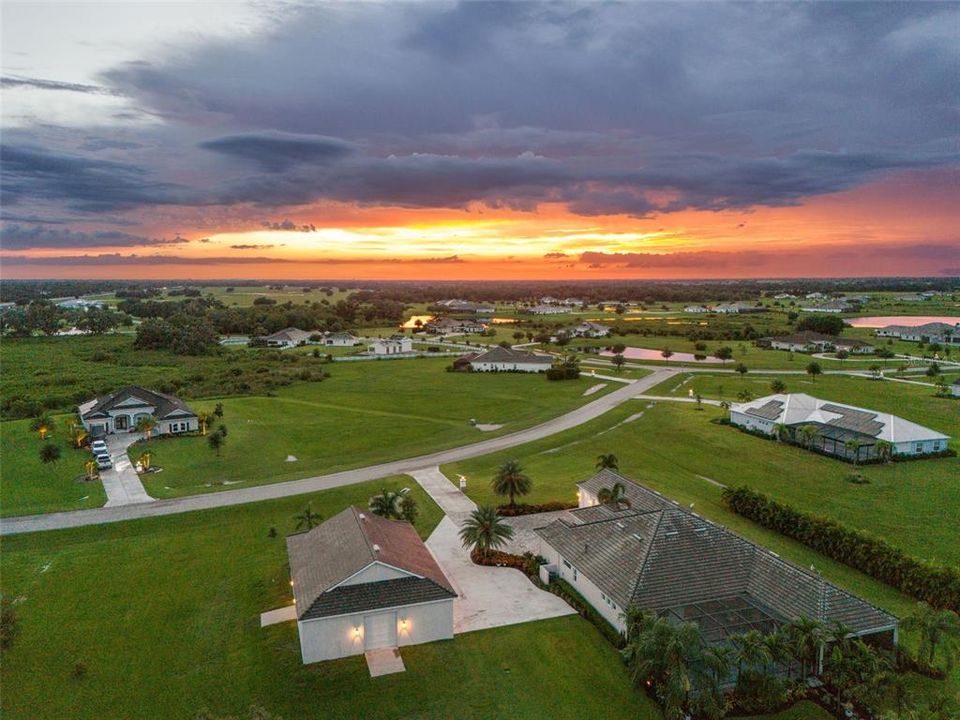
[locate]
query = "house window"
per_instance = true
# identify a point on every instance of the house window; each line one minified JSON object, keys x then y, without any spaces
{"x":574,"y":574}
{"x":919,"y":448}
{"x":567,"y":565}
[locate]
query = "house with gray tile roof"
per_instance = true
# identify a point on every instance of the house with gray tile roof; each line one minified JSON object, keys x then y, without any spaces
{"x":503,"y":359}
{"x":120,"y":411}
{"x":362,"y":582}
{"x":649,"y":552}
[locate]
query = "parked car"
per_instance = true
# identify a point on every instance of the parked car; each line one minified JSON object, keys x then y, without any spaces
{"x":99,"y":447}
{"x":104,"y":462}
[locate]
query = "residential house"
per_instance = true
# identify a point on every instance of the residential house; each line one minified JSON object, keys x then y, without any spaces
{"x":450,"y":326}
{"x":939,"y":332}
{"x":286,"y":338}
{"x":465,"y":306}
{"x":549,"y":300}
{"x":546,"y":310}
{"x":362,"y":582}
{"x":393,"y":345}
{"x":784,"y":296}
{"x":78,"y":304}
{"x":120,"y":412}
{"x":696,"y":309}
{"x":836,"y":306}
{"x":501,"y":359}
{"x":586,"y":329}
{"x":815,"y":296}
{"x":808,"y":341}
{"x":648,"y":552}
{"x":339,"y":339}
{"x":854,"y":347}
{"x":836,"y":424}
{"x":572,"y":302}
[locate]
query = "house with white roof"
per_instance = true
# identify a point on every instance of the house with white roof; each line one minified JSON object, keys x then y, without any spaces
{"x":287,"y":338}
{"x":835,"y":425}
{"x":394,"y":345}
{"x":339,"y":339}
{"x":586,"y":329}
{"x":543,"y":309}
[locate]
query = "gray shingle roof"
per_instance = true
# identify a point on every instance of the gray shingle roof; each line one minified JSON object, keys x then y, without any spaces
{"x":344,"y":545}
{"x":657,"y":555}
{"x":365,"y":597}
{"x":166,"y":405}
{"x":502,"y":354}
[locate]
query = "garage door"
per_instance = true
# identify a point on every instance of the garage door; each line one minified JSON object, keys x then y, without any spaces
{"x":380,"y":630}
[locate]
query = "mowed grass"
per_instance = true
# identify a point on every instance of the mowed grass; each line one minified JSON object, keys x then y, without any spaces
{"x":365,"y":413}
{"x":29,"y":486}
{"x":164,"y":615}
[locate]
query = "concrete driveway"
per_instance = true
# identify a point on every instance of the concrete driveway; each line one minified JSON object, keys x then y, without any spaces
{"x":121,"y":482}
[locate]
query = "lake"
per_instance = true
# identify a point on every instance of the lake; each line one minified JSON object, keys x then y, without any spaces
{"x":880,"y":321}
{"x":632,"y":353}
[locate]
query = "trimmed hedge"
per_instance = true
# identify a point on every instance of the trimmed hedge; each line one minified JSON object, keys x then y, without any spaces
{"x":936,"y":584}
{"x":525,"y":509}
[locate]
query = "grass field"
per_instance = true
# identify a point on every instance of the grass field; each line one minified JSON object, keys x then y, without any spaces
{"x":29,"y":486}
{"x":163,"y":613}
{"x":365,"y":413}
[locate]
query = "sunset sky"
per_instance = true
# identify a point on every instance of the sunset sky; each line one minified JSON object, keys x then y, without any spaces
{"x":479,"y":140}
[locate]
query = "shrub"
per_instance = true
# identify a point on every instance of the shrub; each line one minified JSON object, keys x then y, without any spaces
{"x":525,"y":509}
{"x":79,"y":671}
{"x":937,"y":585}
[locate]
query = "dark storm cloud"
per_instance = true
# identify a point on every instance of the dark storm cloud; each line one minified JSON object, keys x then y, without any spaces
{"x":18,"y":237}
{"x":13,"y":81}
{"x":275,"y":152}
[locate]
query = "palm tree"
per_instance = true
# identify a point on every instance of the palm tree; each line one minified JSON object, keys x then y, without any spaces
{"x":937,"y":630}
{"x":884,"y":450}
{"x":308,"y":518}
{"x":853,"y":446}
{"x":387,"y":504}
{"x":741,"y":369}
{"x":608,"y":461}
{"x":216,"y":442}
{"x":618,"y":361}
{"x":77,"y":434}
{"x":780,"y":431}
{"x":146,"y":424}
{"x":144,"y":460}
{"x":49,"y":453}
{"x":484,"y":531}
{"x":720,"y":660}
{"x":203,"y":418}
{"x":778,"y":386}
{"x":43,"y":425}
{"x":751,"y":649}
{"x":814,"y":369}
{"x":510,"y":481}
{"x":90,"y":468}
{"x":615,"y":495}
{"x":805,"y":637}
{"x":409,"y":508}
{"x":807,"y":434}
{"x":744,"y":396}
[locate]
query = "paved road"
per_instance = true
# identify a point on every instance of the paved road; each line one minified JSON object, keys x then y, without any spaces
{"x":583,"y":414}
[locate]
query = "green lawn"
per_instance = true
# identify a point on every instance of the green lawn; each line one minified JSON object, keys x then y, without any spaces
{"x":164,"y":615}
{"x":29,"y":486}
{"x":365,"y":413}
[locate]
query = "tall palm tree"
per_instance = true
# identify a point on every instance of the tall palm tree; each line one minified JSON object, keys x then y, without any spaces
{"x":77,"y":434}
{"x":615,"y":495}
{"x":387,"y":504}
{"x":203,"y":418}
{"x":807,"y":434}
{"x":884,"y":450}
{"x":608,"y":461}
{"x":90,"y":467}
{"x":938,"y":630}
{"x":308,"y":518}
{"x":806,"y":637}
{"x":43,"y":425}
{"x":145,"y":425}
{"x":511,"y":481}
{"x":485,"y":531}
{"x":720,"y":660}
{"x":780,"y":431}
{"x":778,"y":386}
{"x":751,"y":650}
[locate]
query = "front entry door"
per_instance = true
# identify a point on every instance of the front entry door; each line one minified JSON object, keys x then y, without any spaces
{"x":121,"y":422}
{"x":380,"y":630}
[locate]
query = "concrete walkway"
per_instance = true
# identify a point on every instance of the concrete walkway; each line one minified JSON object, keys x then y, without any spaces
{"x":681,"y":399}
{"x":452,"y":501}
{"x":226,"y":498}
{"x":121,"y":482}
{"x":275,"y":617}
{"x":385,"y":661}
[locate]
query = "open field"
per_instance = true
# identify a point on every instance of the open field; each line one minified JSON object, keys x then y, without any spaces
{"x":164,"y":615}
{"x":365,"y":413}
{"x":673,"y":446}
{"x":30,"y":486}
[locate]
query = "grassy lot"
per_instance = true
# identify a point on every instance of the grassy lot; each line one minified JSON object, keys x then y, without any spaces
{"x":365,"y":413}
{"x":164,"y":612}
{"x":918,"y":403}
{"x":30,"y":486}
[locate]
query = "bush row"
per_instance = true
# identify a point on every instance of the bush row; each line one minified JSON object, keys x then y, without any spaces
{"x":525,"y":509}
{"x":937,"y":585}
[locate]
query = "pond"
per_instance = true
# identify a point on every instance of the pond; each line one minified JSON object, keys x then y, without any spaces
{"x":633,"y":353}
{"x":412,"y":322}
{"x":880,"y":321}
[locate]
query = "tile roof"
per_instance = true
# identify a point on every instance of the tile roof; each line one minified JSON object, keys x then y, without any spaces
{"x":500,"y":354}
{"x":657,"y":555}
{"x":344,"y":545}
{"x":365,"y":597}
{"x":800,"y":409}
{"x":165,"y":405}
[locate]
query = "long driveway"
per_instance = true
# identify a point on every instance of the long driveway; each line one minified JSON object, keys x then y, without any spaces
{"x":171,"y":506}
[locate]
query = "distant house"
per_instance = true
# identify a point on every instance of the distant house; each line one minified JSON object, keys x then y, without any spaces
{"x":340,"y":339}
{"x":784,"y":296}
{"x":572,"y":302}
{"x":119,"y":412}
{"x":286,"y":338}
{"x":449,"y":326}
{"x":943,"y":333}
{"x":586,"y":329}
{"x":836,"y":424}
{"x":808,"y":341}
{"x":837,"y":306}
{"x":78,"y":304}
{"x":501,"y":359}
{"x":394,"y":345}
{"x":465,"y":306}
{"x":544,"y":309}
{"x":696,"y":309}
{"x":549,"y":300}
{"x":815,"y":296}
{"x":362,"y":582}
{"x":649,"y":553}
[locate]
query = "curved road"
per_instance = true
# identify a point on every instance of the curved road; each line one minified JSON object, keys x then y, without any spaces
{"x":96,"y":516}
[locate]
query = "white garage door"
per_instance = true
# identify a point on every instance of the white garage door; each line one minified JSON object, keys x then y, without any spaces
{"x":380,"y":630}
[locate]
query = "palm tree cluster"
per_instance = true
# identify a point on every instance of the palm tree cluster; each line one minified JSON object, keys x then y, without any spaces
{"x":395,"y":505}
{"x":614,"y":495}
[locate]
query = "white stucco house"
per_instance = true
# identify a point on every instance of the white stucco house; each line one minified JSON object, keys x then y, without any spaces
{"x":543,"y":309}
{"x":586,"y":329}
{"x":287,"y":338}
{"x":648,"y":552}
{"x":339,"y":339}
{"x":501,"y":359}
{"x":837,"y":423}
{"x":119,"y":412}
{"x":362,"y":582}
{"x":696,"y":309}
{"x":394,"y":345}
